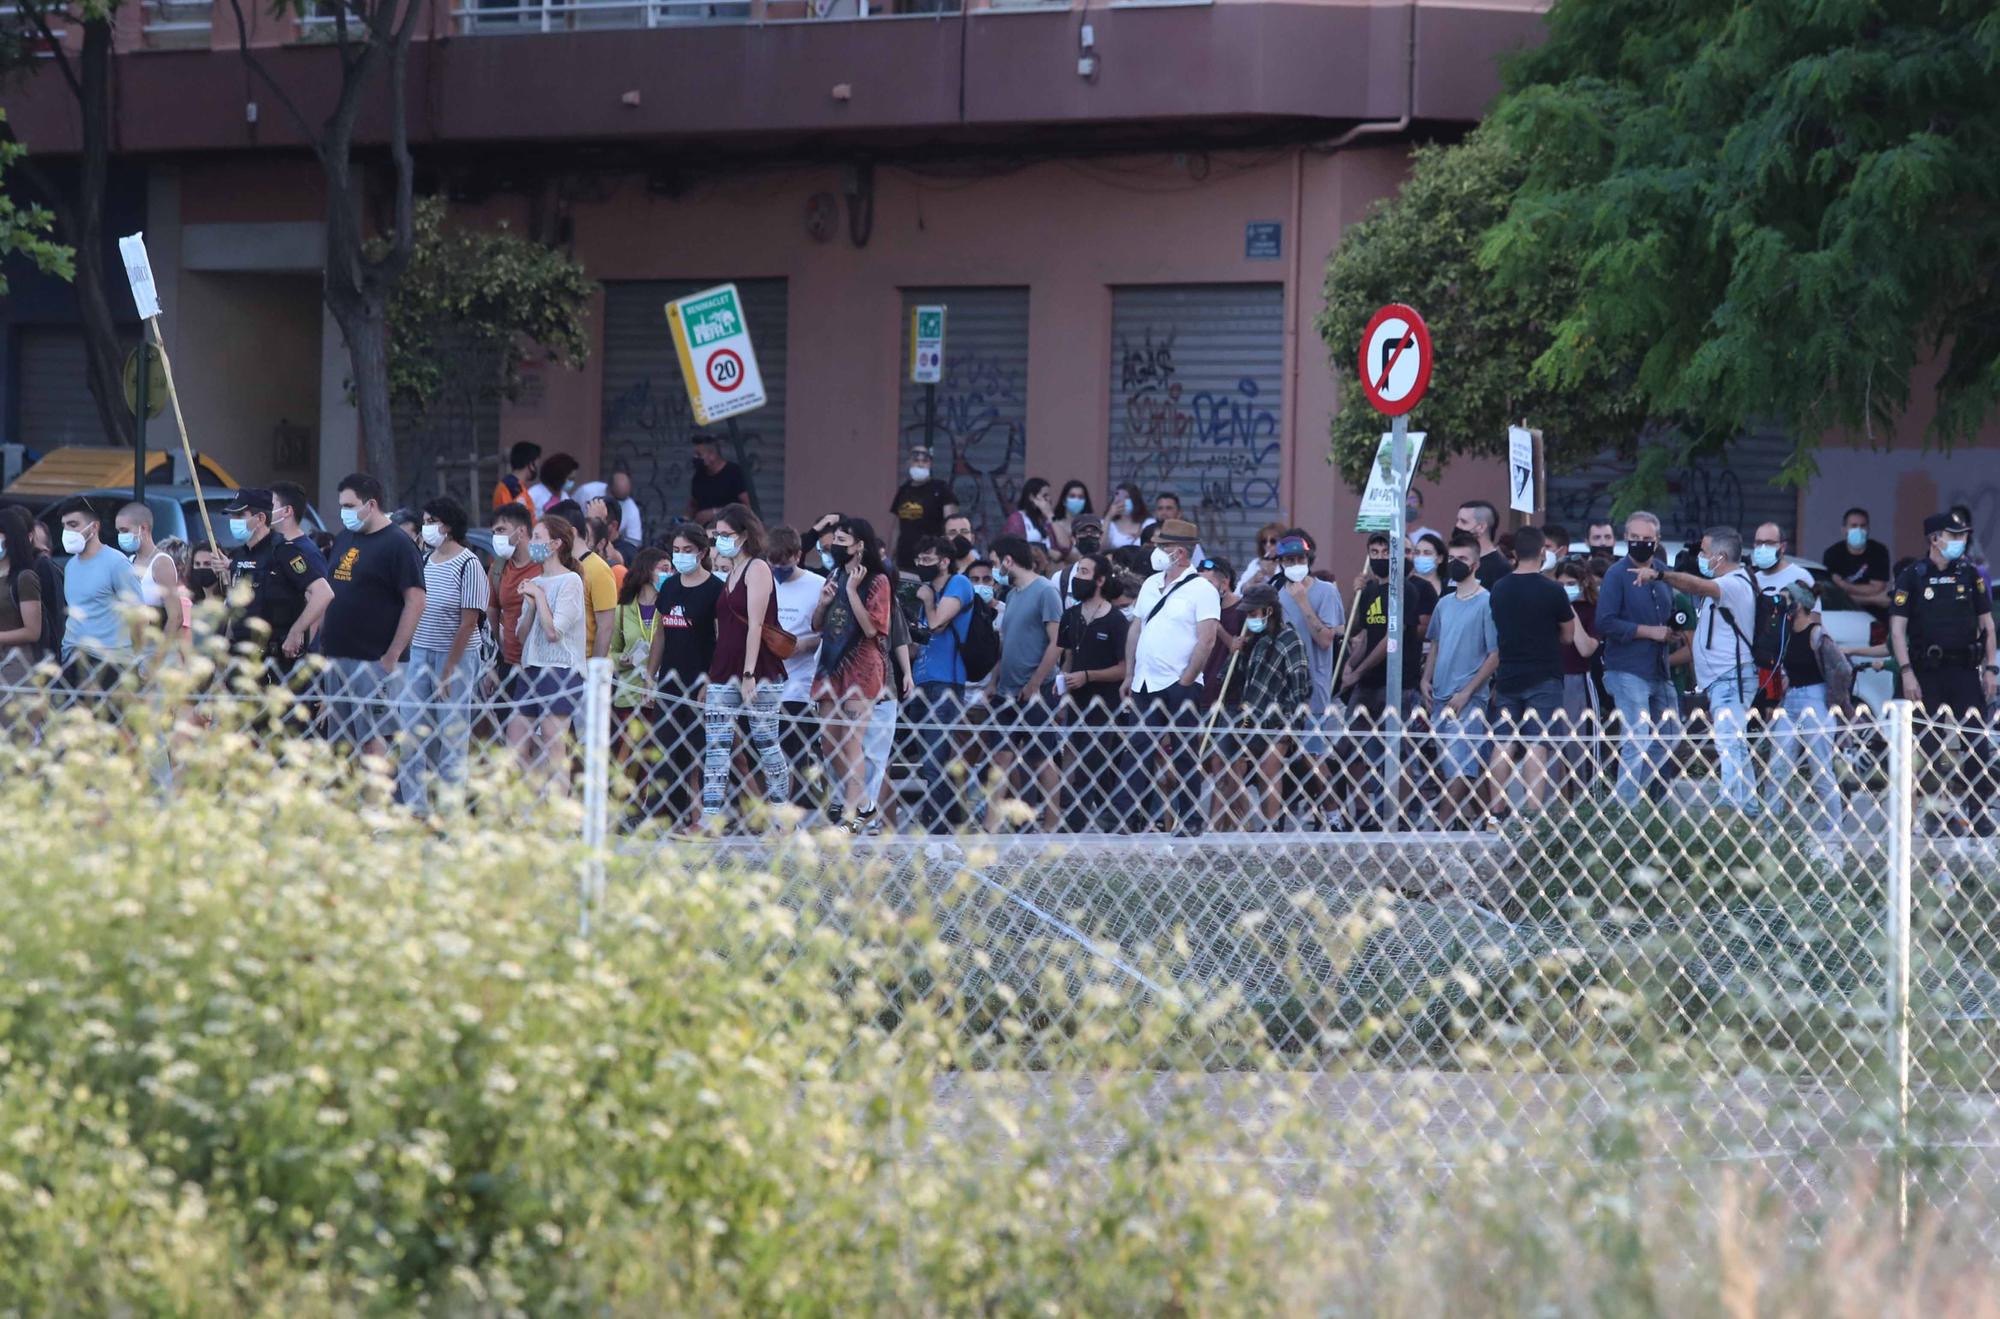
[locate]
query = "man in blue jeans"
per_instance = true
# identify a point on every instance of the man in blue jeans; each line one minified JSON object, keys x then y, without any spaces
{"x":1534,"y":626}
{"x":1725,"y":662}
{"x":1636,"y":624}
{"x":939,"y":672}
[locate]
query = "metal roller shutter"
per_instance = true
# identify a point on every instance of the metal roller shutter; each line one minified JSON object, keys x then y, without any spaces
{"x":1197,"y":374}
{"x":54,"y":390}
{"x":982,"y":402}
{"x":1736,"y":490}
{"x":647,"y":419}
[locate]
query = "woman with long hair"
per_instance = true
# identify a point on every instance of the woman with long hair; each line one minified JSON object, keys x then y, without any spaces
{"x":549,"y":682}
{"x":745,"y":675}
{"x":443,"y":671}
{"x":1581,"y":693}
{"x":1125,"y":516}
{"x":632,"y":634}
{"x":852,"y":620}
{"x":683,"y":648}
{"x":1071,"y":504}
{"x":21,"y":601}
{"x":1034,"y":518}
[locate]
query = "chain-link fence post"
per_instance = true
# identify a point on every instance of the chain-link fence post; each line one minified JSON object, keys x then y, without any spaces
{"x":596,"y":783}
{"x":1902,"y":804}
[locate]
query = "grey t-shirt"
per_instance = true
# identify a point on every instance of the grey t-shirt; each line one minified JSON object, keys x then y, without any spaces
{"x":1462,"y":633}
{"x":1024,"y":632}
{"x":1324,"y":597}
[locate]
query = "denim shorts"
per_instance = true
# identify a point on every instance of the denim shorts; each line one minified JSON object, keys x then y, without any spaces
{"x":544,"y":693}
{"x":1531,"y":712}
{"x":1463,"y":740}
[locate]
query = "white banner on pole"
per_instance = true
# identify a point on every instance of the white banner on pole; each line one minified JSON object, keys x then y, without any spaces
{"x":1521,"y":470}
{"x":139,"y":271}
{"x":1381,"y":501}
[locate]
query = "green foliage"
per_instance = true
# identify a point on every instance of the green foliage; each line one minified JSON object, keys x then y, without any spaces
{"x":1766,"y":210}
{"x":25,"y":230}
{"x":1423,"y":246}
{"x":468,"y":303}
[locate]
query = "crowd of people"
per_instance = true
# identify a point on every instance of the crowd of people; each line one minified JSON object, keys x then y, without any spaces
{"x":1072,"y":669}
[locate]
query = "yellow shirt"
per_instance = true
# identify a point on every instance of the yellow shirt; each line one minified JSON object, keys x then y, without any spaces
{"x":600,"y":595}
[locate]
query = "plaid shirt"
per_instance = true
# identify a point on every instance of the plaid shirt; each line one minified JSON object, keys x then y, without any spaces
{"x":1271,"y":684}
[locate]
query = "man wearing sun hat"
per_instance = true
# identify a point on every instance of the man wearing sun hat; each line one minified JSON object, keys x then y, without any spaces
{"x":1174,"y":625}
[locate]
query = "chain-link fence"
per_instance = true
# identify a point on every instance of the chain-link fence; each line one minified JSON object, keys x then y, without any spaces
{"x":1767,"y":944}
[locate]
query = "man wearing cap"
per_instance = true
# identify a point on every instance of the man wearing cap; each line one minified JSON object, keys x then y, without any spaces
{"x":1087,"y":531}
{"x":287,"y":576}
{"x":1174,"y":622}
{"x":1941,"y":633}
{"x":920,"y":508}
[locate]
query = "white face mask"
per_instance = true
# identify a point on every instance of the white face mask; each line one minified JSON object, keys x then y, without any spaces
{"x":433,"y":534}
{"x":1162,"y":560}
{"x":73,"y":541}
{"x":280,"y":516}
{"x":919,"y":473}
{"x":1548,"y":560}
{"x":1296,"y":572}
{"x":503,"y":545}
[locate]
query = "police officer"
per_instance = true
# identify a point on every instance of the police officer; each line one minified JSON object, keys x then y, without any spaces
{"x":281,"y":573}
{"x":1941,"y":633}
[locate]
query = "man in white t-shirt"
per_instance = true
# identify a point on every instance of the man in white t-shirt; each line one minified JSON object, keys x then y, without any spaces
{"x":1174,"y":626}
{"x":1803,"y":724}
{"x":1725,"y":664}
{"x":798,"y":595}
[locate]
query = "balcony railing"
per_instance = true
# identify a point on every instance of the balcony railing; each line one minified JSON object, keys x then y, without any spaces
{"x":510,"y":16}
{"x":175,"y":24}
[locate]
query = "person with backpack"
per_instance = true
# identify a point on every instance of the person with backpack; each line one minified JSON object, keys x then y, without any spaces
{"x":935,"y":710}
{"x":1791,"y":679}
{"x":445,"y":657}
{"x":1725,"y":664}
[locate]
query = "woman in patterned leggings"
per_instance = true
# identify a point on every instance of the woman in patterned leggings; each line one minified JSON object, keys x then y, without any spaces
{"x":745,"y":676}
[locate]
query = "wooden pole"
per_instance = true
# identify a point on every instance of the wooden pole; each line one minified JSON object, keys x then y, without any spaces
{"x":180,"y":424}
{"x":1541,"y":480}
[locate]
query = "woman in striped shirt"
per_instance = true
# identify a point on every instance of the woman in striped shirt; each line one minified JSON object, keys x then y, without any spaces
{"x":549,"y":682}
{"x":443,"y":670}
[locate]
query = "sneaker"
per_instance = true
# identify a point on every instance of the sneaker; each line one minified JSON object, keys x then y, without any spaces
{"x":864,"y":823}
{"x":1192,"y":827}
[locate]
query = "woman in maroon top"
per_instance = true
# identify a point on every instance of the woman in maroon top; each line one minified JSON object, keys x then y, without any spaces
{"x":852,"y":619}
{"x":745,"y":675}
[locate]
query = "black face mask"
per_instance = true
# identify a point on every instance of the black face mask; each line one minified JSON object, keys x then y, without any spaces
{"x":1087,"y":544}
{"x":960,"y":547}
{"x":1641,"y":551}
{"x":1083,"y":590}
{"x":1457,"y":571}
{"x":838,"y":553}
{"x":1380,"y":567}
{"x":932,"y":570}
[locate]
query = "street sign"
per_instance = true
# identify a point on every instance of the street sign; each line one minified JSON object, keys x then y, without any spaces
{"x":1383,"y":499}
{"x":926,"y":345}
{"x":1263,"y":240}
{"x":1395,"y":359}
{"x":713,"y":342}
{"x":1521,"y":469}
{"x":139,"y":273}
{"x":156,"y":381}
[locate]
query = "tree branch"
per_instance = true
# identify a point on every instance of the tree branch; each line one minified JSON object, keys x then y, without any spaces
{"x":263,"y":74}
{"x":39,"y":17}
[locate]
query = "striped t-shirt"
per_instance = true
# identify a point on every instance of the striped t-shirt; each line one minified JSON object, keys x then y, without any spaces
{"x":456,"y":584}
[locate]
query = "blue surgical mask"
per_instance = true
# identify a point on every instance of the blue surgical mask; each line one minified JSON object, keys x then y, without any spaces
{"x":1707,"y":566}
{"x":1425,"y":564}
{"x":350,"y":518}
{"x":128,"y":541}
{"x":1573,"y":591}
{"x":685,"y":562}
{"x":239,"y":528}
{"x":660,"y":580}
{"x":726,"y":546}
{"x":783,"y":571}
{"x":984,"y":590}
{"x":1074,"y":504}
{"x":1255,"y":625}
{"x":1953,"y":549}
{"x":1857,"y":538}
{"x":827,"y":560}
{"x":539,"y":551}
{"x":1765,"y":556}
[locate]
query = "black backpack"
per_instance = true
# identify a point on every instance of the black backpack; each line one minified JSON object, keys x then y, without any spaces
{"x":914,"y":618}
{"x":979,"y":648}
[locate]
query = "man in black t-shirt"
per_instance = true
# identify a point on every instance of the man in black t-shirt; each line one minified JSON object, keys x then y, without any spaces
{"x":1533,"y":624}
{"x":920,"y":507}
{"x":716,"y":484}
{"x":1367,"y":677}
{"x":1859,"y":566}
{"x":378,"y":596}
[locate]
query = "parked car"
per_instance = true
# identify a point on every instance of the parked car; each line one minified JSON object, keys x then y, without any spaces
{"x":176,"y":512}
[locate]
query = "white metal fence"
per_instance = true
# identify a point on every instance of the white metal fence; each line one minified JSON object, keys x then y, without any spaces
{"x":1791,"y":928}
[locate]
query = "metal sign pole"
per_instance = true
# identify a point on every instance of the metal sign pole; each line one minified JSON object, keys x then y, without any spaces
{"x":930,"y":420}
{"x":1392,"y":703}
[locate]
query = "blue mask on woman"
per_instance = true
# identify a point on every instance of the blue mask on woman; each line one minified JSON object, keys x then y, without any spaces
{"x":684,"y":562}
{"x":726,"y":546}
{"x":1425,"y":564}
{"x":660,"y":580}
{"x":1074,"y":504}
{"x":539,"y":551}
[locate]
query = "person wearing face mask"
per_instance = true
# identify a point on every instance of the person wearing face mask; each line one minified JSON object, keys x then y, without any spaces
{"x":716,"y":483}
{"x":555,"y":480}
{"x":1581,"y":670}
{"x":1087,"y":538}
{"x":1941,"y":631}
{"x":1314,"y":610}
{"x":853,"y":620}
{"x":1533,"y":625}
{"x":378,"y":596}
{"x":921,"y":507}
{"x":512,"y":488}
{"x":1859,"y":566}
{"x":1463,"y":653}
{"x":940,"y":677}
{"x":548,"y":687}
{"x":686,"y":600}
{"x":798,"y":590}
{"x":26,"y":603}
{"x":1174,"y":626}
{"x":1090,"y":641}
{"x":1019,"y":694}
{"x":1427,"y":561}
{"x":958,"y":536}
{"x":1636,"y":624}
{"x":513,"y":565}
{"x":632,"y":630}
{"x":99,"y":588}
{"x":1268,"y":690}
{"x":443,"y":672}
{"x":600,"y":580}
{"x":1365,"y":681}
{"x":159,"y":580}
{"x":1800,"y":720}
{"x":1126,"y":517}
{"x":1071,"y":504}
{"x":289,"y":591}
{"x":1725,"y":664}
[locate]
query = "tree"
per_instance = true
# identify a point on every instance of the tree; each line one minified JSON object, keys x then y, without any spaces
{"x":24,"y":230}
{"x":371,"y":39}
{"x":32,"y":43}
{"x":459,"y":314}
{"x":1422,"y":247}
{"x":1767,"y":211}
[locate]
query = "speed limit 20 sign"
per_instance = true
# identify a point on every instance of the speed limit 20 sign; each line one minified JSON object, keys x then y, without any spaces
{"x":713,"y":342}
{"x":1395,"y":359}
